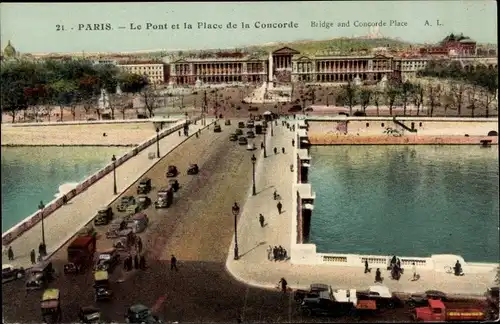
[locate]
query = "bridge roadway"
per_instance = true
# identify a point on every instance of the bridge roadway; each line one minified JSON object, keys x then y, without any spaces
{"x":198,"y":229}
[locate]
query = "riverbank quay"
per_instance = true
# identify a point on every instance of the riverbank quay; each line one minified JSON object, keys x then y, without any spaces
{"x":306,"y":266}
{"x":93,"y":133}
{"x":63,"y":222}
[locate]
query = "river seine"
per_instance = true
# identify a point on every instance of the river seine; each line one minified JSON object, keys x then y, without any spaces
{"x":406,"y":200}
{"x":31,"y":174}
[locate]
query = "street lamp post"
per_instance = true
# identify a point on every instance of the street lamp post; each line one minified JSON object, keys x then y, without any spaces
{"x":114,"y":174}
{"x":41,"y":206}
{"x":272,"y":129}
{"x":236,"y":211}
{"x":265,"y":153}
{"x":157,"y":142}
{"x":253,"y":174}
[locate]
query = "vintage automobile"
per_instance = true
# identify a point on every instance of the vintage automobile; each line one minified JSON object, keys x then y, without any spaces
{"x":422,"y":299}
{"x":381,"y":295}
{"x":126,"y":239}
{"x":251,"y":146}
{"x":217,"y":129}
{"x":104,"y":216}
{"x":138,"y":223}
{"x":172,"y":171}
{"x":241,"y":125}
{"x":101,"y":286}
{"x":165,"y":197}
{"x":227,"y":122}
{"x":80,"y":254}
{"x":132,"y":209}
{"x":335,"y":302}
{"x":88,"y":230}
{"x":238,"y":132}
{"x":51,"y":306}
{"x":193,"y":169}
{"x":117,"y":225}
{"x":174,"y":184}
{"x":242,"y":140}
{"x":125,"y":202}
{"x":140,"y":314}
{"x":253,"y":108}
{"x":233,"y":137}
{"x":313,"y":291}
{"x":143,"y":202}
{"x":250,"y":124}
{"x":144,"y":186}
{"x":40,"y":275}
{"x":107,"y":260}
{"x":250,"y":134}
{"x":89,"y":314}
{"x":10,"y":272}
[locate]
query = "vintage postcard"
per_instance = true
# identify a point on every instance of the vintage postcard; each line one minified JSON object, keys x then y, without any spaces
{"x":249,"y":162}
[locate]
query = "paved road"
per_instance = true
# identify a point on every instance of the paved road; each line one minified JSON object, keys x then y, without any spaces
{"x":198,"y":230}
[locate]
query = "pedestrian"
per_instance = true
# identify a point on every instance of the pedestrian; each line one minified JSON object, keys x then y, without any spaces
{"x":293,"y":142}
{"x":283,"y":285}
{"x":261,"y":220}
{"x":279,"y":206}
{"x":33,"y":256}
{"x":197,"y":136}
{"x":280,"y":253}
{"x":10,"y":253}
{"x":378,"y":276}
{"x":179,"y":133}
{"x":283,"y":150}
{"x":136,"y":261}
{"x":285,"y":255}
{"x":275,"y":253}
{"x":270,"y":253}
{"x":142,"y":262}
{"x":367,"y":269}
{"x":414,"y":270}
{"x":275,"y":151}
{"x":261,"y":145}
{"x":64,"y":200}
{"x":173,"y":263}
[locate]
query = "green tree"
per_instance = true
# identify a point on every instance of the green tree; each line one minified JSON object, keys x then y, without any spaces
{"x":433,"y":96}
{"x":391,"y":95}
{"x":64,"y":94}
{"x":457,"y":92}
{"x":406,"y":93}
{"x":132,"y":83}
{"x":418,"y":95}
{"x":348,"y":96}
{"x":365,"y":96}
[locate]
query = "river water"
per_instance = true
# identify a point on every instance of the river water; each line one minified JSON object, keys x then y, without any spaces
{"x":31,"y":174}
{"x":406,"y":200}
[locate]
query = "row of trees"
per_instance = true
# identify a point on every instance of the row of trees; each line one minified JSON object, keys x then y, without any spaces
{"x":39,"y":87}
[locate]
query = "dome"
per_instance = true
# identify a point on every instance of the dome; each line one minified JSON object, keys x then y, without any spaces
{"x":9,"y":50}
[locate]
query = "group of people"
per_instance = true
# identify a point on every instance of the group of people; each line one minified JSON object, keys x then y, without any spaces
{"x":395,"y":268}
{"x":136,"y":262}
{"x":277,"y":253}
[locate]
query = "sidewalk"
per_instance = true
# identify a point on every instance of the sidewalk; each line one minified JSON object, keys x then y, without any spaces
{"x":254,"y":268}
{"x":63,"y":223}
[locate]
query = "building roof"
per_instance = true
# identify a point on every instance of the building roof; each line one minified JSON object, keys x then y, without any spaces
{"x":141,"y":63}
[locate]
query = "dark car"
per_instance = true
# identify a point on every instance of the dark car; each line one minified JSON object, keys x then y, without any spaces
{"x":104,"y":216}
{"x":193,"y":169}
{"x":141,"y":314}
{"x":144,"y":186}
{"x":295,"y":108}
{"x":143,"y":202}
{"x":233,"y":137}
{"x":242,"y":140}
{"x":419,"y":300}
{"x":313,"y":291}
{"x":241,"y":125}
{"x":217,"y":129}
{"x":253,"y":108}
{"x":227,"y":122}
{"x":175,"y":184}
{"x":172,"y":171}
{"x":89,"y":314}
{"x":107,"y":260}
{"x":10,"y":272}
{"x":250,"y":134}
{"x":125,"y":202}
{"x":238,"y":132}
{"x":324,"y":304}
{"x":381,"y":295}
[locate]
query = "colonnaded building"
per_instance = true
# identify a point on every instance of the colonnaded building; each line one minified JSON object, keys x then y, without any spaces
{"x":287,"y":65}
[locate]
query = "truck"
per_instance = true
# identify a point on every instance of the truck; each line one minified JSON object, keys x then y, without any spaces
{"x":80,"y":253}
{"x":439,"y":311}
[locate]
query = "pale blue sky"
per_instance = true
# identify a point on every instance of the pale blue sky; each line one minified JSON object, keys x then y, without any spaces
{"x":32,"y":27}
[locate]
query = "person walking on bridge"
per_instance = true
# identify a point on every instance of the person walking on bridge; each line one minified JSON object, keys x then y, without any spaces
{"x":33,"y":256}
{"x":283,"y":285}
{"x":10,"y":253}
{"x":173,"y":263}
{"x":261,"y":220}
{"x":279,"y":206}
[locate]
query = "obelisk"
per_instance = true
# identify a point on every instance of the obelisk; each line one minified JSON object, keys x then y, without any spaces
{"x":270,"y":76}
